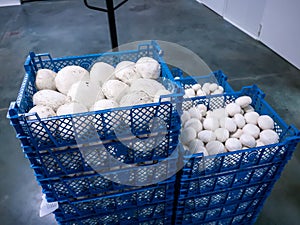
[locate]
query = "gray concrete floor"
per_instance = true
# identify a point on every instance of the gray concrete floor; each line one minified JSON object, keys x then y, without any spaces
{"x":68,"y":28}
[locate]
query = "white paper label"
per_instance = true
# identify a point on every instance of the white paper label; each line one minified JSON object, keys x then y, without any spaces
{"x":47,"y":207}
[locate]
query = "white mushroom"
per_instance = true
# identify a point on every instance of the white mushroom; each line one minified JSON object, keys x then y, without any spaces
{"x":252,"y":130}
{"x":148,"y":68}
{"x":159,"y":93}
{"x":85,"y":93}
{"x":71,"y":108}
{"x":237,"y":134}
{"x":218,"y":91}
{"x":126,"y":72}
{"x":185,"y":117}
{"x":206,"y":136}
{"x":259,"y":143}
{"x":228,"y":124}
{"x":69,"y":75}
{"x":149,"y":86}
{"x":205,"y":88}
{"x":219,"y":113}
{"x":45,"y":79}
{"x":194,"y":123}
{"x":265,"y":122}
{"x":269,"y":137}
{"x":232,"y":109}
{"x":196,"y":87}
{"x":233,"y":144}
{"x":197,"y":146}
{"x":239,"y":120}
{"x":213,"y":87}
{"x":202,"y":108}
{"x":50,"y":98}
{"x":42,"y":111}
{"x":222,"y":134}
{"x":215,"y":147}
{"x":190,"y":92}
{"x":187,"y":135}
{"x":200,"y":93}
{"x":101,"y":72}
{"x":247,"y":140}
{"x":135,"y":98}
{"x":195,"y":113}
{"x":251,"y":117}
{"x":243,"y":101}
{"x":114,"y":89}
{"x":104,"y":104}
{"x":210,"y":123}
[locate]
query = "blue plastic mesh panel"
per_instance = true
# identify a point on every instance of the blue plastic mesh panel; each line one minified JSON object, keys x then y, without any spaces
{"x":147,"y":214}
{"x":113,"y":203}
{"x":63,"y":188}
{"x":56,"y":162}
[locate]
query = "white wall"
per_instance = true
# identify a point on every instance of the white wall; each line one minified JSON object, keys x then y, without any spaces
{"x":245,"y":14}
{"x":273,"y":22}
{"x":281,"y":29}
{"x":9,"y":2}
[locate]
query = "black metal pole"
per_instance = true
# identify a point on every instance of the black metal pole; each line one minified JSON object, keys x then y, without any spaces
{"x":112,"y":23}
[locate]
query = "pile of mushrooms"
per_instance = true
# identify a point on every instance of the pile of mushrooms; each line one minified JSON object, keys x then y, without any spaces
{"x":75,"y":90}
{"x":236,"y":126}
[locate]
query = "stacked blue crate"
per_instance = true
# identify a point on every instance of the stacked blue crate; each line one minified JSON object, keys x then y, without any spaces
{"x":68,"y":167}
{"x":231,"y":188}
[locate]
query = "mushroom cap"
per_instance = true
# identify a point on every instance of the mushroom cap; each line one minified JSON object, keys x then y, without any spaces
{"x":243,"y":101}
{"x":85,"y":93}
{"x":215,"y":147}
{"x":185,"y":117}
{"x":148,"y":67}
{"x":71,"y":108}
{"x":233,"y":144}
{"x":45,"y":79}
{"x":265,"y":122}
{"x":190,"y":92}
{"x":42,"y":111}
{"x":247,"y":140}
{"x":210,"y":123}
{"x":101,"y":72}
{"x":187,"y":135}
{"x":269,"y":137}
{"x":50,"y":98}
{"x":195,"y":113}
{"x":239,"y":120}
{"x":252,"y":130}
{"x":135,"y":98}
{"x":206,"y":136}
{"x":232,"y":109}
{"x":126,"y":72}
{"x":251,"y":117}
{"x":149,"y":86}
{"x":222,"y":134}
{"x":69,"y":75}
{"x":114,"y":89}
{"x":195,"y":123}
{"x":104,"y":104}
{"x":228,"y":123}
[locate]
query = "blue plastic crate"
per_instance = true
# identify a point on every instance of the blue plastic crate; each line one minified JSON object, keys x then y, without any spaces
{"x":217,"y":77}
{"x":94,"y":183}
{"x":57,"y":131}
{"x":52,"y":163}
{"x":289,"y":138}
{"x":161,"y":193}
